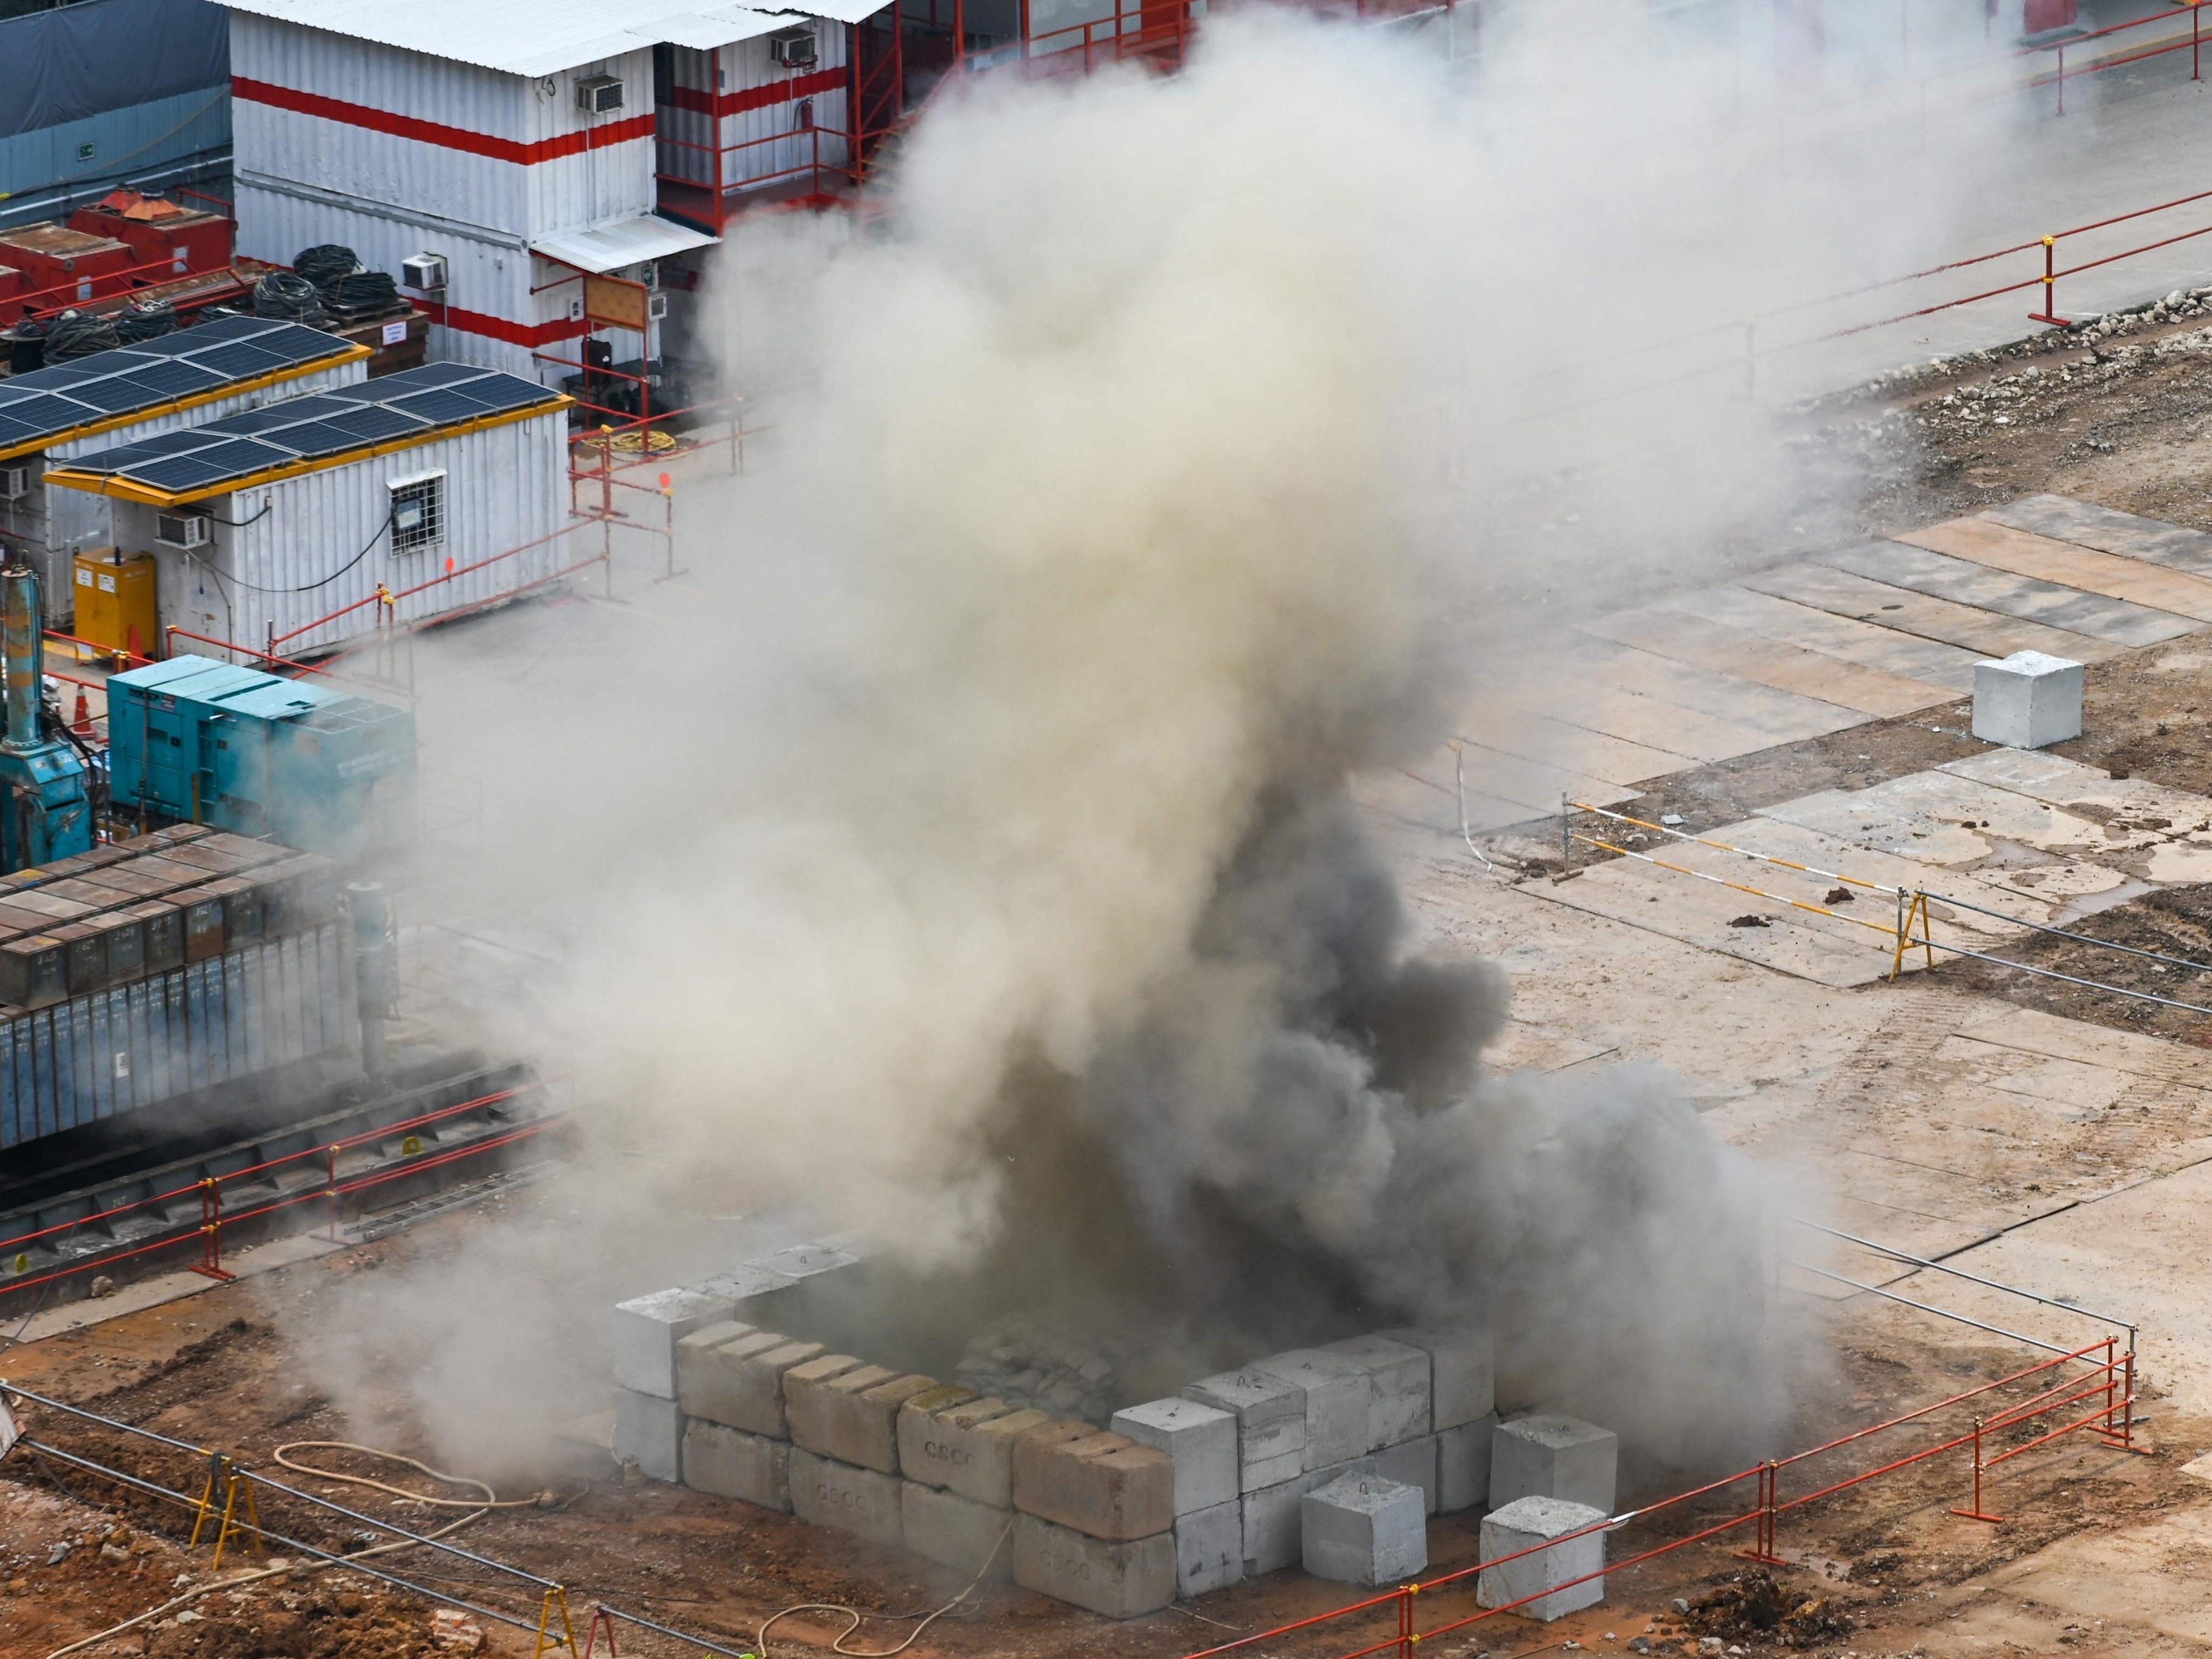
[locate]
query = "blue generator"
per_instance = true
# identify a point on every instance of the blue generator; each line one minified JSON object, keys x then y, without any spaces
{"x":260,"y":754}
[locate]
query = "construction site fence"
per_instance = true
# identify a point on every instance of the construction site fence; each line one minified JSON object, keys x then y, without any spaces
{"x":2098,"y":1376}
{"x":205,"y":1229}
{"x":217,"y":1512}
{"x":1913,"y":928}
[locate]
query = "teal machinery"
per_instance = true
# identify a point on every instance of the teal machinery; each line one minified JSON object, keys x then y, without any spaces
{"x":49,"y":815}
{"x":257,"y":754}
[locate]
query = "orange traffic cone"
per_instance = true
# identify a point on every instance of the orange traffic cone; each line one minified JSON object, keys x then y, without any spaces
{"x":80,"y":722}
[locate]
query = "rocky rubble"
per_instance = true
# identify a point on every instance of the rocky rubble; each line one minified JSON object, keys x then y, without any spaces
{"x":1025,"y":1364}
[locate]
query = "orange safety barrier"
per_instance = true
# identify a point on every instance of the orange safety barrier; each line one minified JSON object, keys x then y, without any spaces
{"x":207,"y":1230}
{"x":2109,"y":1379}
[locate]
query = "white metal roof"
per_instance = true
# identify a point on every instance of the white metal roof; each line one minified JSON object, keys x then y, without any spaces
{"x":544,"y":37}
{"x":630,"y":242}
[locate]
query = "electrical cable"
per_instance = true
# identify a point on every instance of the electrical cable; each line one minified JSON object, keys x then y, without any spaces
{"x":856,"y":1616}
{"x":489,"y":1500}
{"x":477,"y":1511}
{"x":268,"y":506}
{"x":252,"y":588}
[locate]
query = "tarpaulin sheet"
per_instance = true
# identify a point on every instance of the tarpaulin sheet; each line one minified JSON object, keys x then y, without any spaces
{"x":100,"y":55}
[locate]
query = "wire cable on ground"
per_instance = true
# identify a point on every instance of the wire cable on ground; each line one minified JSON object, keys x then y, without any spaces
{"x":477,"y":1511}
{"x":489,"y":1501}
{"x":1743,"y":852}
{"x":837,"y":1642}
{"x":1737,"y":886}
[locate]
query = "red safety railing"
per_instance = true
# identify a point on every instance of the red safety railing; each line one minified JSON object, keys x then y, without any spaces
{"x":2107,"y":1379}
{"x":207,"y":1230}
{"x":2059,"y":77}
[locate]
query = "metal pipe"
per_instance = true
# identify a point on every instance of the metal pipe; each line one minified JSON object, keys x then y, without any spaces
{"x":23,"y":648}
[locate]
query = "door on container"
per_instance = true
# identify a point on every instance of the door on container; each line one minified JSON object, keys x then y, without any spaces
{"x":165,"y":730}
{"x":237,"y":771}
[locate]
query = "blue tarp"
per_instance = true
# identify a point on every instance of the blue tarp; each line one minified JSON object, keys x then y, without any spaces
{"x":83,"y":60}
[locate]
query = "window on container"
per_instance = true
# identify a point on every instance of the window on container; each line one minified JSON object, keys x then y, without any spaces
{"x":418,"y":512}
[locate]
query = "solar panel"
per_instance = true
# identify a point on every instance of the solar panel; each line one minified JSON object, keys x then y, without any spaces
{"x":215,"y":465}
{"x":118,"y":394}
{"x":504,"y":392}
{"x":168,"y":443}
{"x":49,"y":413}
{"x":438,"y":406}
{"x":431,"y":374}
{"x":314,"y":440}
{"x":241,"y":360}
{"x":372,"y":424}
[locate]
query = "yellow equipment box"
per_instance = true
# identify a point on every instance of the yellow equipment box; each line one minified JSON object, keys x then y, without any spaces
{"x":115,"y":602}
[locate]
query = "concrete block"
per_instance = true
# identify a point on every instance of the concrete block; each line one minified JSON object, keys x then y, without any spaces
{"x":713,"y":1380}
{"x":1548,"y":1455}
{"x":833,"y":1494}
{"x":1121,"y":1581}
{"x":731,"y":1463}
{"x":1103,"y":1485}
{"x":853,"y":1416}
{"x":1201,"y":1440}
{"x":1463,"y":1369}
{"x":1523,"y":1525}
{"x":936,"y":1433}
{"x":2028,"y":700}
{"x":956,"y":1532}
{"x":646,"y":1330}
{"x":1364,"y":1529}
{"x":755,"y":1294}
{"x":1210,"y":1548}
{"x":1273,"y":1531}
{"x":1338,"y":1400}
{"x":649,"y":1431}
{"x":1271,"y":1424}
{"x":1463,"y":1465}
{"x":1398,"y":1381}
{"x":1411,"y":1463}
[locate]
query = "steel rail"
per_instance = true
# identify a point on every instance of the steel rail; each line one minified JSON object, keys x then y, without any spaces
{"x":2052,"y":973}
{"x":1706,"y":841}
{"x":2083,"y":938}
{"x":1961,"y":1272}
{"x":1944,"y":1313}
{"x":1737,"y":886}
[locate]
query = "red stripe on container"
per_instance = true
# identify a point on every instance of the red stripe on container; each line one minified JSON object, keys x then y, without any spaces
{"x":433,"y":132}
{"x":699,"y":102}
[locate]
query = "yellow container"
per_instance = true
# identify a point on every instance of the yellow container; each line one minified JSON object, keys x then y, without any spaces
{"x":115,"y":601}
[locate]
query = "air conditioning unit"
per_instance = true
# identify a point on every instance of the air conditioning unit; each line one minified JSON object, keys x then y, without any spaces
{"x":793,"y":48}
{"x":14,"y":482}
{"x":599,"y":94}
{"x":424,"y":272}
{"x":656,"y":307}
{"x":184,"y":530}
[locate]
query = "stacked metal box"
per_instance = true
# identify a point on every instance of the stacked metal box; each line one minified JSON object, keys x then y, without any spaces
{"x":158,"y":968}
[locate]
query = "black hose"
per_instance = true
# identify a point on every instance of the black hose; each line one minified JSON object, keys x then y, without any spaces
{"x":288,"y":298}
{"x":326,"y":265}
{"x":147,"y":319}
{"x":73,"y":334}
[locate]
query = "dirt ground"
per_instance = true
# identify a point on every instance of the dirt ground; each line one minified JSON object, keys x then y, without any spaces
{"x":1884,"y":1568}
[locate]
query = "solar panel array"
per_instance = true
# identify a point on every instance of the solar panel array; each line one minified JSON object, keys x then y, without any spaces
{"x":414,"y":404}
{"x":47,"y":404}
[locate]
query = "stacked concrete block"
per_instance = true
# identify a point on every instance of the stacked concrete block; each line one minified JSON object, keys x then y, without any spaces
{"x":756,"y":1294}
{"x":965,"y":1447}
{"x":1462,"y":1407}
{"x":830,"y":1493}
{"x":1200,"y":1442}
{"x":1399,"y":1381}
{"x":1119,"y":1580}
{"x":1411,"y":1463}
{"x":737,"y":1380}
{"x":850,"y":1414}
{"x":649,"y":1432}
{"x":646,"y":1329}
{"x":1534,"y":1580}
{"x":731,"y":1463}
{"x":1271,"y":1424}
{"x":1095,"y":1481}
{"x":1364,"y":1529}
{"x":956,"y":1532}
{"x":1549,"y":1455}
{"x":1338,"y":1401}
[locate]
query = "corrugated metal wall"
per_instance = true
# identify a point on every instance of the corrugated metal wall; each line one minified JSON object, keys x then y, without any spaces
{"x":175,"y":1034}
{"x":747,"y":137}
{"x":505,"y":487}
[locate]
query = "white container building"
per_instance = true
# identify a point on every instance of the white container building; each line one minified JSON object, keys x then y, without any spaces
{"x":52,"y":416}
{"x":518,"y":145}
{"x":285,"y":528}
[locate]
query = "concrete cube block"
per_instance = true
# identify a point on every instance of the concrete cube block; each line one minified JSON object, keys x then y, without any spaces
{"x":1271,"y":1424}
{"x":1210,"y":1548}
{"x":1411,"y":1463}
{"x":1338,"y":1398}
{"x":1463,"y":1465}
{"x":755,"y":1294}
{"x":1119,"y":1580}
{"x":649,"y":1431}
{"x":1549,"y":1455}
{"x":833,"y":1494}
{"x":957,"y":1532}
{"x":1101,"y":1483}
{"x":1273,"y":1532}
{"x":852,"y":1416}
{"x":2028,"y":700}
{"x":1463,"y":1369}
{"x":646,"y":1330}
{"x":1364,"y":1529}
{"x":1524,"y":1524}
{"x":978,"y":1454}
{"x":731,"y":1463}
{"x":1398,"y":1381}
{"x":1200,"y":1441}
